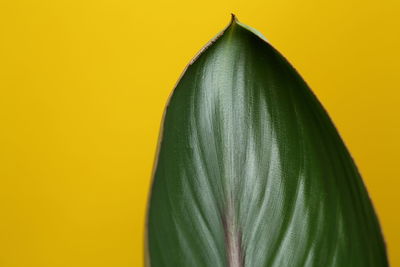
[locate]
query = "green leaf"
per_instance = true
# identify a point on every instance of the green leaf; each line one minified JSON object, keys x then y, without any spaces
{"x":251,"y":171}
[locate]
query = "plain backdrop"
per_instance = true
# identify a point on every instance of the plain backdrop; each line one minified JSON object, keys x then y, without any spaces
{"x":83,"y":84}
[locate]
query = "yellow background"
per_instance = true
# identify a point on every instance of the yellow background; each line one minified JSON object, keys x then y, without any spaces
{"x":82,"y":89}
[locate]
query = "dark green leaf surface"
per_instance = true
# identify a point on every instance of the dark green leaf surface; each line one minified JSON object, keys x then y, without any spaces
{"x":252,"y":172}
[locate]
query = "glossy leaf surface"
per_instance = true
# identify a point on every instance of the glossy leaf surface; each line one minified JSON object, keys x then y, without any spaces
{"x":252,"y":172}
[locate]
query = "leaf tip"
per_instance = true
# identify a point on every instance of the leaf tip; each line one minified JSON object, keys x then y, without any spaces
{"x":233,"y":18}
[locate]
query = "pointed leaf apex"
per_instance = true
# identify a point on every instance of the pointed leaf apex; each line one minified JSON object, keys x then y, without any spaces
{"x":234,"y":18}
